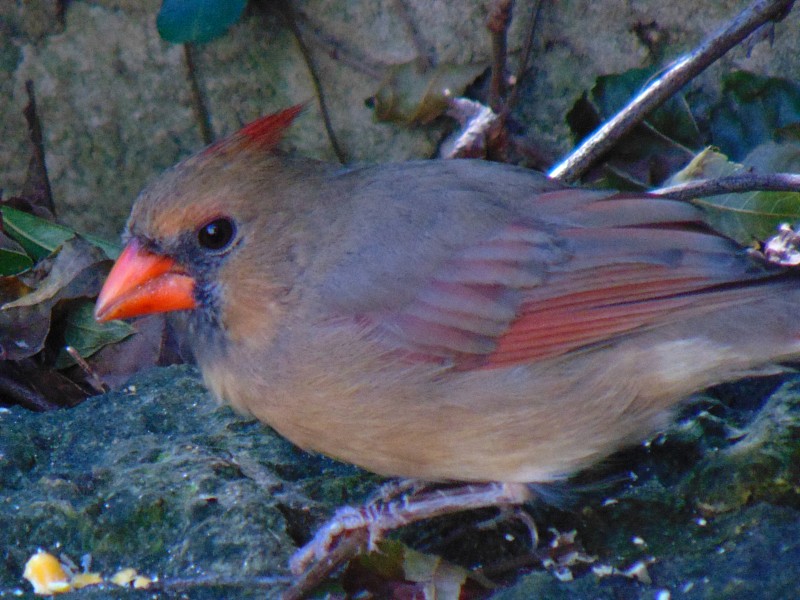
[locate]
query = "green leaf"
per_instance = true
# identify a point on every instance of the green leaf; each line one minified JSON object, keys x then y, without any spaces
{"x":13,"y":258}
{"x":753,"y":109}
{"x":76,"y":271}
{"x":751,"y":216}
{"x":610,"y":93}
{"x":673,"y":119}
{"x":650,"y":152}
{"x":181,"y":21}
{"x":87,"y":336}
{"x":40,"y":237}
{"x":110,"y":249}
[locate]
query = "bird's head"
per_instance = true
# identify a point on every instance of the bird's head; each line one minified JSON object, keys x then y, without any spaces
{"x":197,"y":231}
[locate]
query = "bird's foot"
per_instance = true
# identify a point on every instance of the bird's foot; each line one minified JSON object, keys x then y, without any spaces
{"x":375,"y":519}
{"x":513,"y":513}
{"x":397,"y":487}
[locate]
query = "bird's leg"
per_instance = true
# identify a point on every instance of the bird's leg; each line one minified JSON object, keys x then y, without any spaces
{"x":377,"y":518}
{"x":396,"y":487}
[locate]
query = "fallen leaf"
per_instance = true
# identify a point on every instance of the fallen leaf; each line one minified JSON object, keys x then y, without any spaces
{"x":411,"y":96}
{"x":13,"y":258}
{"x":76,"y":271}
{"x":397,"y":571}
{"x":84,"y":333}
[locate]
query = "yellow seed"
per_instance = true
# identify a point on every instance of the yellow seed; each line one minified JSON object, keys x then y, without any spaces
{"x":124,"y":577}
{"x":46,"y":574}
{"x":82,"y":580}
{"x":141,"y":582}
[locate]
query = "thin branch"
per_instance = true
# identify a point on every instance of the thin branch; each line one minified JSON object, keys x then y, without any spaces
{"x":288,"y":14}
{"x":674,"y":78}
{"x":424,"y":59}
{"x":336,"y":49}
{"x":37,"y":182}
{"x":478,"y":124}
{"x":13,"y":392}
{"x":198,"y":102}
{"x":93,"y":379}
{"x":745,"y":182}
{"x":497,"y":23}
{"x":527,"y":47}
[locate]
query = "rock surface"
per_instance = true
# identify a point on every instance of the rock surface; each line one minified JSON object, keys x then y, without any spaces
{"x":159,"y":478}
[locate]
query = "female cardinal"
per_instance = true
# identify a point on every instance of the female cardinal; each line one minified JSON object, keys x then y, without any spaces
{"x":444,"y":320}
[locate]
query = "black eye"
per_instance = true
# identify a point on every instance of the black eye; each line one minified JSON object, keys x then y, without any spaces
{"x":217,"y":234}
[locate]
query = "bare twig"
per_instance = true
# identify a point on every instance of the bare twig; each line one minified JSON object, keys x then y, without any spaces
{"x":662,"y":88}
{"x":478,"y":124}
{"x":93,"y":378}
{"x":527,"y":47}
{"x":744,"y":182}
{"x":198,"y":102}
{"x":337,"y":49}
{"x":288,"y":14}
{"x":497,"y":23}
{"x":425,"y":60}
{"x":37,"y":183}
{"x":14,"y":392}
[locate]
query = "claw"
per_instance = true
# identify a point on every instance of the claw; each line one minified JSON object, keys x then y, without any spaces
{"x":381,"y":516}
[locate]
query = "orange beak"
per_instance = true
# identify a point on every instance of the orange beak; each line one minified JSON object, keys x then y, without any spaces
{"x":141,"y":283}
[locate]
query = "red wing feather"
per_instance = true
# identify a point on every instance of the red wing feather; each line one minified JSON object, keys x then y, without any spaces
{"x":526,"y":295}
{"x":557,"y":325}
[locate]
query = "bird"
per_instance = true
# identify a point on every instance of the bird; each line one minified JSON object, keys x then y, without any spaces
{"x":446,"y":321}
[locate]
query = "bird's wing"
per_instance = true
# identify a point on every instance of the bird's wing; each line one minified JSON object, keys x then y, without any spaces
{"x":606,"y":269}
